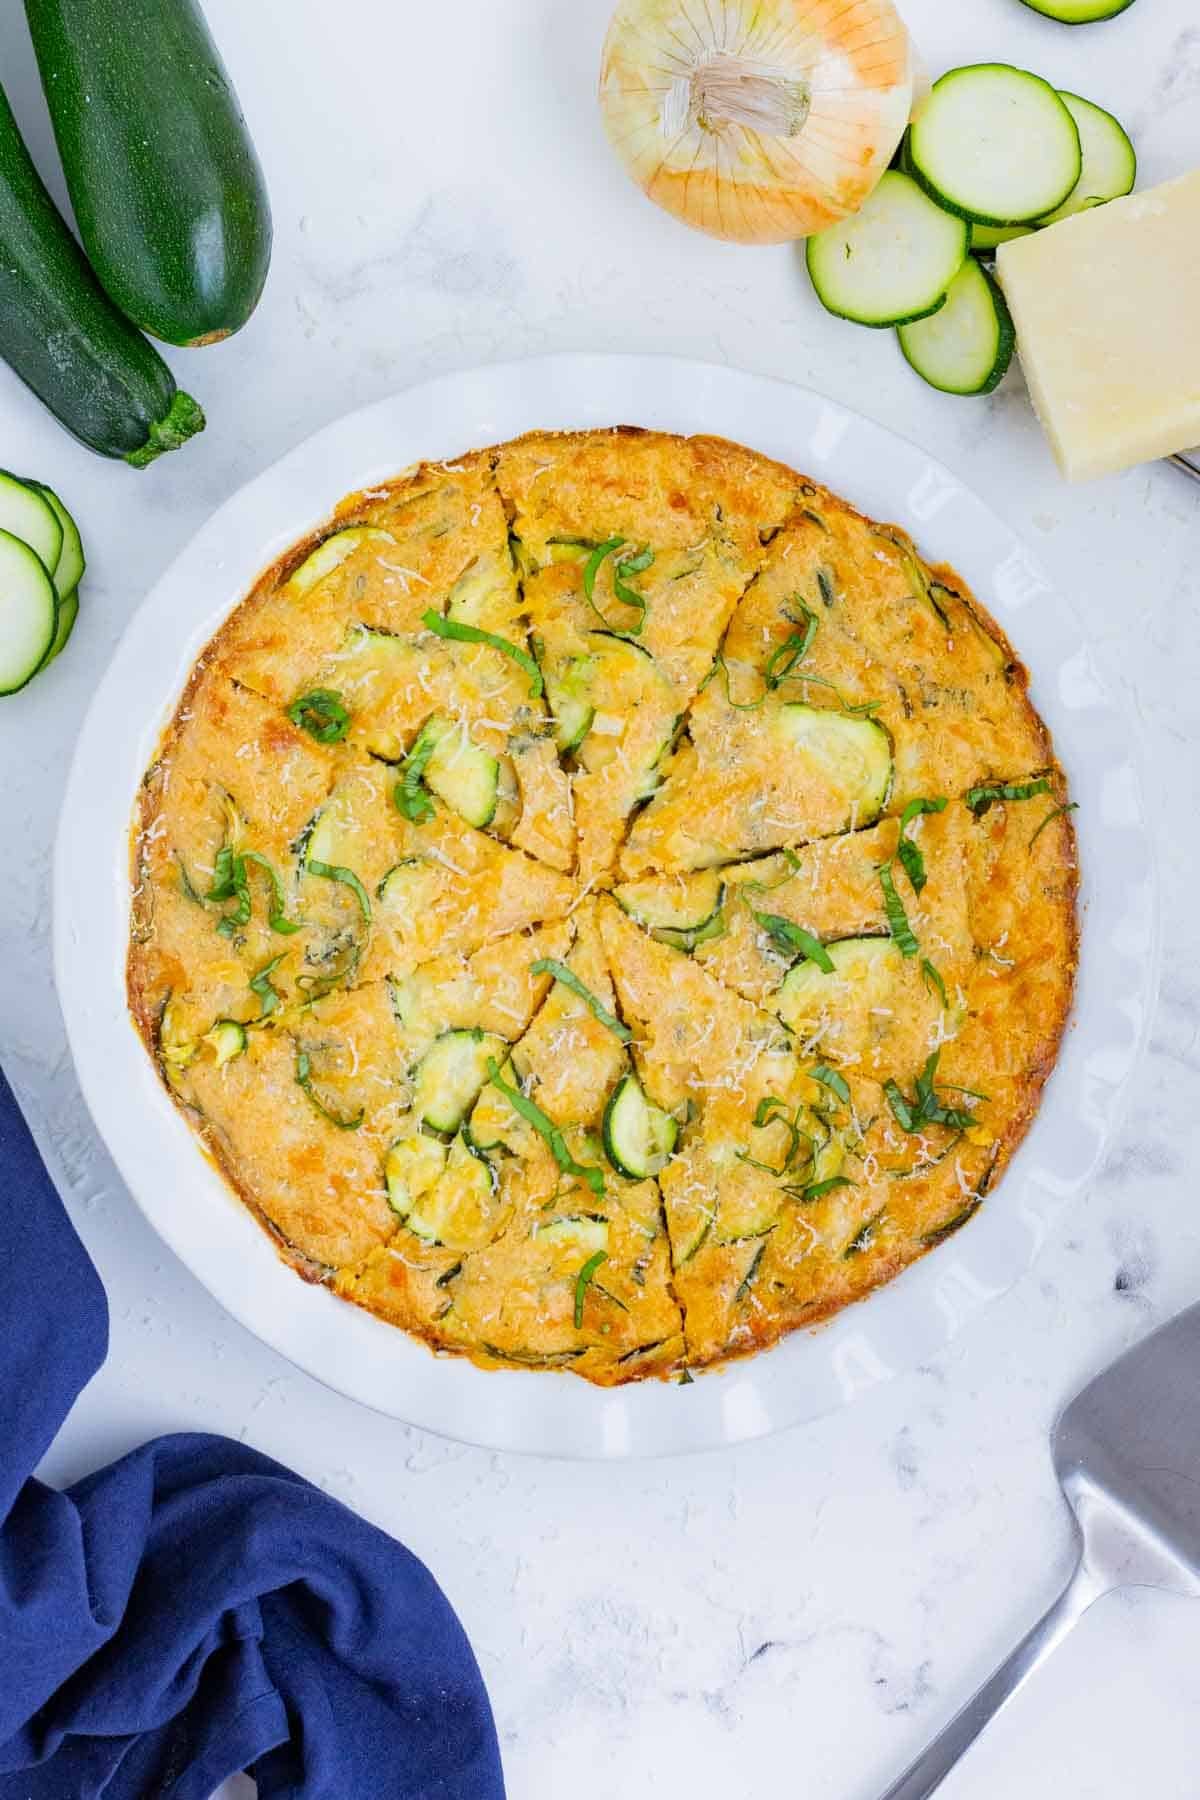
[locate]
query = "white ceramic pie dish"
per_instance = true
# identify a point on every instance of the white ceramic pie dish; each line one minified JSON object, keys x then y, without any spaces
{"x":211,"y":1231}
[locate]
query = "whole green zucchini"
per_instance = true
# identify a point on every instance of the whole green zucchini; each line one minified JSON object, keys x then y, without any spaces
{"x":62,"y":334}
{"x":167,"y":191}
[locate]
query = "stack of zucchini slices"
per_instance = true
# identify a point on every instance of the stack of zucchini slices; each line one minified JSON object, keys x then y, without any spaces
{"x":41,"y":561}
{"x":992,"y":153}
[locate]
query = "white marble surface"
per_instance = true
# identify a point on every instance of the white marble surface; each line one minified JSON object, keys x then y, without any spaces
{"x":806,"y":1610}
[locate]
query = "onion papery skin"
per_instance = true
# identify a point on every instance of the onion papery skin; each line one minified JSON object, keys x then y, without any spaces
{"x":757,"y":121}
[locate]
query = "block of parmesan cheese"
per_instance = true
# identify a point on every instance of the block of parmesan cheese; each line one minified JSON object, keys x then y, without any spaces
{"x":1107,"y":310}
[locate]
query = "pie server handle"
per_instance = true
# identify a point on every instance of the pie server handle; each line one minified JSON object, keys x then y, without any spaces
{"x":936,"y":1761}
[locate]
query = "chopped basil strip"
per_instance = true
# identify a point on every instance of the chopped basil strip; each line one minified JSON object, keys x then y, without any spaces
{"x":784,"y":658}
{"x":549,"y":965}
{"x":800,"y":1148}
{"x":837,"y":1084}
{"x":738,"y":705}
{"x":902,"y":932}
{"x":926,"y":1106}
{"x":546,"y":1128}
{"x":1057,"y":812}
{"x":795,"y":940}
{"x":819,"y":1189}
{"x":899,"y":1105}
{"x":231,"y":882}
{"x":582,"y":1282}
{"x":304,"y":1080}
{"x":260,"y":985}
{"x":933,"y":981}
{"x":322,"y":713}
{"x":333,"y":872}
{"x":594,"y":563}
{"x":471,"y":634}
{"x":629,"y":565}
{"x":277,"y":918}
{"x":909,"y":853}
{"x":411,"y":797}
{"x":632,"y":565}
{"x":978,"y":800}
{"x":862,"y":709}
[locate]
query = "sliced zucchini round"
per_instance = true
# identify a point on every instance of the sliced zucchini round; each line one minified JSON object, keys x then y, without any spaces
{"x":829,"y":1158}
{"x":1109,"y":159}
{"x":750,"y":1211}
{"x":462,"y":1209}
{"x":67,"y":571}
{"x":340,"y":838}
{"x":680,"y":910}
{"x":460,"y":773}
{"x":986,"y":238}
{"x":409,"y":889}
{"x":996,"y":145}
{"x":866,"y":972}
{"x":68,"y":612}
{"x":570,"y":704}
{"x":583,"y":1232}
{"x":226,"y":1040}
{"x":1079,"y":12}
{"x":332,"y":554}
{"x":450,"y":1075}
{"x":853,"y":755}
{"x":890,"y":262}
{"x":28,"y":612}
{"x":638,"y":1136}
{"x":967,"y":347}
{"x":411,"y":1167}
{"x":27,"y":514}
{"x":575,"y":550}
{"x":472,"y":599}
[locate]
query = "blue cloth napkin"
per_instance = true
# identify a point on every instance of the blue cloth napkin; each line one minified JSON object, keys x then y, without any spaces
{"x":195,"y":1608}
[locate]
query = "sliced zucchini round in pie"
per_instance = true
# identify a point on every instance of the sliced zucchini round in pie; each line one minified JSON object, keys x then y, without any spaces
{"x":411,"y":1167}
{"x":463,"y":1209}
{"x":458,"y":771}
{"x":839,"y":1006}
{"x":680,"y":910}
{"x":638,"y":1136}
{"x":569,"y":693}
{"x":226,"y":1040}
{"x":410,"y":888}
{"x":593,"y":693}
{"x":332,"y":554}
{"x":451,"y":1074}
{"x":751,"y":1203}
{"x":585,"y":1232}
{"x":339,"y":836}
{"x":851,"y":756}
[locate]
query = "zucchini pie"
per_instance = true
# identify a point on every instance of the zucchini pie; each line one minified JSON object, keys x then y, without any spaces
{"x":603,"y":903}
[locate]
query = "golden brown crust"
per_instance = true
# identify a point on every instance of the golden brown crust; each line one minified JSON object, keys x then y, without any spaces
{"x":290,"y":998}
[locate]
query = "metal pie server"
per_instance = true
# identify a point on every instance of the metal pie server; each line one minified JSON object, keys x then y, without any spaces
{"x":1127,"y":1454}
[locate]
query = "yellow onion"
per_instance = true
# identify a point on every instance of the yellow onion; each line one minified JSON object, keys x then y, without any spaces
{"x":757,"y":120}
